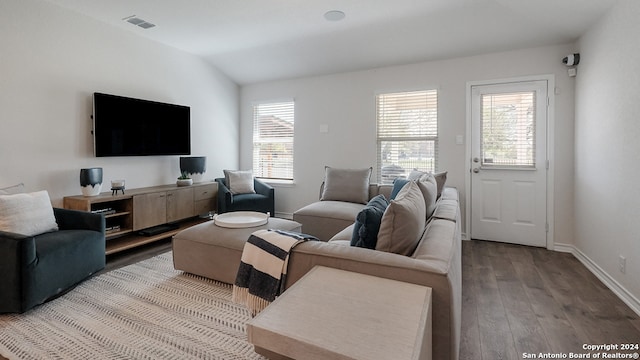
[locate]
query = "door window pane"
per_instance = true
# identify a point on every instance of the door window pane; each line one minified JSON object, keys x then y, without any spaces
{"x":508,"y":129}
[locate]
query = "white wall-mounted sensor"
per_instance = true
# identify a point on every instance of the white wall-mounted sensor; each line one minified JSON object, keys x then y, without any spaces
{"x":571,"y":60}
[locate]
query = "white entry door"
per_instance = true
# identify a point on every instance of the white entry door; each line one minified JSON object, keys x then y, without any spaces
{"x":509,"y":162}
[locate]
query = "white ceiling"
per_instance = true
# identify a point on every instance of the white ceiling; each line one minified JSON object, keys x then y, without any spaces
{"x":260,"y":40}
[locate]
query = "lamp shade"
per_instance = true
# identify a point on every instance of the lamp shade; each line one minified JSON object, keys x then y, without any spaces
{"x":195,"y":166}
{"x":91,"y":181}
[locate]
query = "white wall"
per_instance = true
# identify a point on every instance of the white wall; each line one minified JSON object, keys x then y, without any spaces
{"x":346,"y":103}
{"x":607,"y":194}
{"x":52,"y":60}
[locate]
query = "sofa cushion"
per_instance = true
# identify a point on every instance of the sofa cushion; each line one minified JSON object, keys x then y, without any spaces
{"x":239,"y":181}
{"x":27,"y":214}
{"x":447,"y":209}
{"x":324,"y":219}
{"x":344,"y":234}
{"x":403,"y":222}
{"x":350,"y":185}
{"x":449,"y":193}
{"x":340,"y":242}
{"x":367,"y":225}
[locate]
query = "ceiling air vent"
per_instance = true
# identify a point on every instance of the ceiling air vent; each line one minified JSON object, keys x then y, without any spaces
{"x":139,"y":22}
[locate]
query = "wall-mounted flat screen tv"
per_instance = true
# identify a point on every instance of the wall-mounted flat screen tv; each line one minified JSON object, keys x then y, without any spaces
{"x":124,"y":126}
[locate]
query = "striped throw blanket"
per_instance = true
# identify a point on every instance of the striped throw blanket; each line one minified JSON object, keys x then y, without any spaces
{"x":263,"y":267}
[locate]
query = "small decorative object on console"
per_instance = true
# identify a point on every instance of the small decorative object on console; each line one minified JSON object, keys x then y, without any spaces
{"x":91,"y":181}
{"x":117,"y":185}
{"x":184,"y":180}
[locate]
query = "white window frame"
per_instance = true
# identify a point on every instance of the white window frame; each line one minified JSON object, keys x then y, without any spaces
{"x":283,"y":115}
{"x":428,"y":132}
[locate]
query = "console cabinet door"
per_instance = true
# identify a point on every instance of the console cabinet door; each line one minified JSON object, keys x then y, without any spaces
{"x":205,"y":198}
{"x":180,"y":204}
{"x":149,"y":210}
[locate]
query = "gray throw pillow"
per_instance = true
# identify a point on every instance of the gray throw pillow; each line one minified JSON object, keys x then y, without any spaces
{"x":350,"y":185}
{"x":441,"y":178}
{"x":429,"y":188}
{"x":403,"y":222}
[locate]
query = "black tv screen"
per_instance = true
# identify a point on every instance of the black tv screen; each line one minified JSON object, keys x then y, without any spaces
{"x":124,"y":126}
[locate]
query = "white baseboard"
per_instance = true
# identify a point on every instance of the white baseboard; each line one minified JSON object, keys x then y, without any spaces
{"x":565,"y":248}
{"x":620,"y":291}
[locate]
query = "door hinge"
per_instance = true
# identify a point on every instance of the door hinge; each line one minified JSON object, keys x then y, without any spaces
{"x":548,"y":101}
{"x":546,"y":227}
{"x":547,"y":165}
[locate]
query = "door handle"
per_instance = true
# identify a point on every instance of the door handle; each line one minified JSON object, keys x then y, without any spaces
{"x":476,"y":170}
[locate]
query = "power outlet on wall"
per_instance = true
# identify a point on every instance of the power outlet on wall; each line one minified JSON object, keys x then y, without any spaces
{"x":622,"y":264}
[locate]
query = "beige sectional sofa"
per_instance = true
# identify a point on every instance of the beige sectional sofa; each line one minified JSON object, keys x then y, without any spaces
{"x":435,"y":262}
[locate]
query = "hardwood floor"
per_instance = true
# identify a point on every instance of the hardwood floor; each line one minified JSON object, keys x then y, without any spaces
{"x":519,"y":299}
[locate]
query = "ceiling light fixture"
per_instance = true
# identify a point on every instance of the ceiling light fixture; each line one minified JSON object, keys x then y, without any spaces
{"x":139,"y":22}
{"x":334,"y":15}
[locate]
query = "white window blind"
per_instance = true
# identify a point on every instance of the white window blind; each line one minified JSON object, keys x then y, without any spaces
{"x":273,"y":125}
{"x":407,"y":125}
{"x":508,"y":129}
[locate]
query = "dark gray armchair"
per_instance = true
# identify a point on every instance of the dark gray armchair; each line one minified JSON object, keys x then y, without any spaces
{"x":35,"y":269}
{"x":262,"y":201}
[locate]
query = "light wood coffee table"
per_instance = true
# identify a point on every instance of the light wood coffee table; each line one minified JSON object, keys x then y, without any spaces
{"x":337,"y":314}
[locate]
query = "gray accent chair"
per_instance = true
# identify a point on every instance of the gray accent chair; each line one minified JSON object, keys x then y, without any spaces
{"x":36,"y":269}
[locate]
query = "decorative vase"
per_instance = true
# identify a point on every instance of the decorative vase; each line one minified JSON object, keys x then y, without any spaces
{"x":195,"y":166}
{"x":184,"y":182}
{"x":91,"y":181}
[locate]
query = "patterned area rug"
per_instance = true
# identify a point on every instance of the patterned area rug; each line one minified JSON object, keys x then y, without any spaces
{"x":146,"y":310}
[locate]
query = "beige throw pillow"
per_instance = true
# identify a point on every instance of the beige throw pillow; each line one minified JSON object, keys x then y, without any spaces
{"x":351,"y":185}
{"x":441,"y":178}
{"x":403,"y":222}
{"x":239,"y":181}
{"x":429,"y":188}
{"x":27,"y":214}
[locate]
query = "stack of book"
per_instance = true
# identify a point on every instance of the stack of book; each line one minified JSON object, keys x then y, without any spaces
{"x":105,"y":211}
{"x":111,"y":229}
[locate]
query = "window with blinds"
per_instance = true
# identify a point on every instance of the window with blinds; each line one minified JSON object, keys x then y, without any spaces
{"x":273,"y":125}
{"x":508,"y":129}
{"x":407,"y":124}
